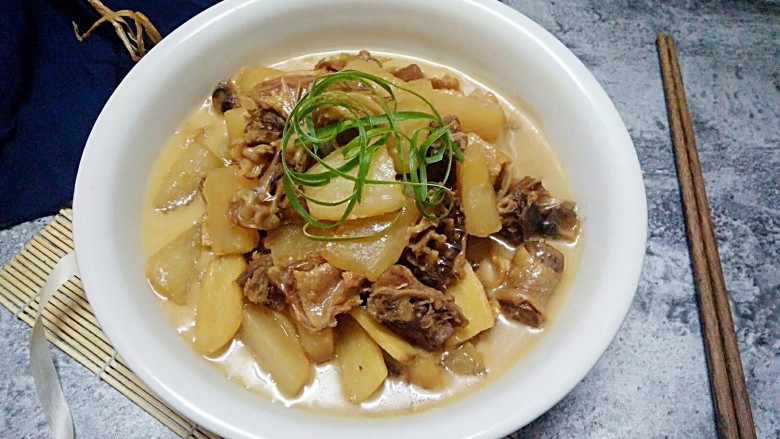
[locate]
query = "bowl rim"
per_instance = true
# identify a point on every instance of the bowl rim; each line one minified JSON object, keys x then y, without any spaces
{"x":84,"y":220}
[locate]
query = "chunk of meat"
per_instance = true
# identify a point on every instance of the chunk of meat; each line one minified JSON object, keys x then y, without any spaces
{"x":282,"y":93}
{"x":436,"y":251}
{"x":252,"y":160}
{"x":265,"y":206}
{"x":263,"y":127}
{"x":535,"y":272}
{"x":317,"y":291}
{"x":268,"y":104}
{"x":528,"y":211}
{"x":423,"y":316}
{"x":258,"y":207}
{"x":258,"y":288}
{"x":408,"y":73}
{"x":446,"y":82}
{"x":254,"y":151}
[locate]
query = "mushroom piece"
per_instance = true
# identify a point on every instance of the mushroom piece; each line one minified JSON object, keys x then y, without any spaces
{"x":223,"y":98}
{"x":437,"y":170}
{"x":436,"y":251}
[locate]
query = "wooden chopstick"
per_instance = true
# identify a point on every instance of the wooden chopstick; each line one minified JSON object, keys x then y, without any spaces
{"x":727,"y":381}
{"x":728,"y":334}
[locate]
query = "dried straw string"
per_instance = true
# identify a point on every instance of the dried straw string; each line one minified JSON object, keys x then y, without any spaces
{"x":133,"y":39}
{"x":70,"y":323}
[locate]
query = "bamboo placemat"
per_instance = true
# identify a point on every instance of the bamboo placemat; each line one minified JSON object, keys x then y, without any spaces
{"x":70,"y":323}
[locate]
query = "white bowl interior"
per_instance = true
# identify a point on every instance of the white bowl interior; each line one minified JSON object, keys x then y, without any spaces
{"x":485,"y":39}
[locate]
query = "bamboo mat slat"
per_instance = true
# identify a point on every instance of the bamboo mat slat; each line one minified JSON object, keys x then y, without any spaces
{"x":70,"y":323}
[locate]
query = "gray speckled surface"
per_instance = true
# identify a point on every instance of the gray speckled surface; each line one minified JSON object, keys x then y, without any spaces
{"x":652,"y":382}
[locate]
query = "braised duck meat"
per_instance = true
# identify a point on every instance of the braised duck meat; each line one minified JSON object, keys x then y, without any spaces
{"x":409,"y":73}
{"x":264,"y":206}
{"x":258,"y":207}
{"x":422,"y":315}
{"x":263,"y":127}
{"x":282,"y":93}
{"x":317,"y":291}
{"x":446,"y":82}
{"x":528,"y":211}
{"x":258,"y":288}
{"x":530,"y":283}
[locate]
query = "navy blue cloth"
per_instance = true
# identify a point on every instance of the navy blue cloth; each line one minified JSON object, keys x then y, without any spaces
{"x":52,"y":88}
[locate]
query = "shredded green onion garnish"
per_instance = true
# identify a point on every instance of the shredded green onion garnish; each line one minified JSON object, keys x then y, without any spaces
{"x":338,"y":91}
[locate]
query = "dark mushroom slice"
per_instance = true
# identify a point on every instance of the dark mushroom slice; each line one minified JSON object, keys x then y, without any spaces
{"x":436,"y":251}
{"x":437,"y":170}
{"x":535,"y":273}
{"x":224,"y":98}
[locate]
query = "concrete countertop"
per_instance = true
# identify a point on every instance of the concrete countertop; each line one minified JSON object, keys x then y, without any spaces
{"x":652,"y":382}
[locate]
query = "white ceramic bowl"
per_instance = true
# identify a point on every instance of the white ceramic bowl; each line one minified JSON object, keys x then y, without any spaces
{"x":482,"y":38}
